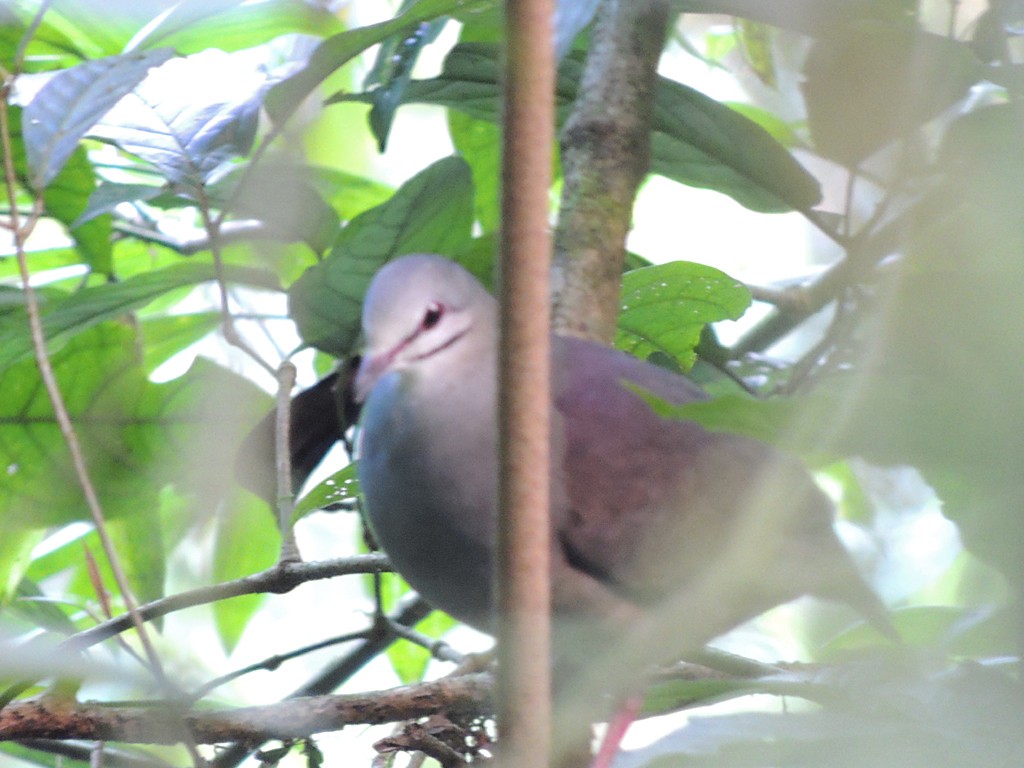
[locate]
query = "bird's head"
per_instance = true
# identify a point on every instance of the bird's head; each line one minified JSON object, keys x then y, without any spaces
{"x":421,"y":310}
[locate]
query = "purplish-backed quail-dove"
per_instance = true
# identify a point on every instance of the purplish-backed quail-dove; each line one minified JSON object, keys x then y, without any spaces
{"x":644,"y":509}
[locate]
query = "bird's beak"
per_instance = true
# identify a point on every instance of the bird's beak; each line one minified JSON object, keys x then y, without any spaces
{"x":371,"y":367}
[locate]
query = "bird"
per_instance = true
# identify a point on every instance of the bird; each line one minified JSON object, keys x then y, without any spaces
{"x":643,"y":508}
{"x":664,"y":534}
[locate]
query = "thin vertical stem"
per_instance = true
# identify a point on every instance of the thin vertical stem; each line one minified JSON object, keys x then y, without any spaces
{"x":524,"y":708}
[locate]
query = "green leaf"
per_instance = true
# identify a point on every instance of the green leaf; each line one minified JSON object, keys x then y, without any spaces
{"x":674,"y":695}
{"x":72,"y":102}
{"x":32,"y":606}
{"x":16,"y":545}
{"x":85,"y":308}
{"x":283,"y":198}
{"x":348,"y":193}
{"x":665,"y":308}
{"x":392,"y":70}
{"x":231,"y":25}
{"x":167,"y":336}
{"x":431,"y":212}
{"x":695,"y":140}
{"x":247,"y":541}
{"x":409,"y":660}
{"x":108,"y":195}
{"x":139,"y":543}
{"x":136,"y":436}
{"x":479,"y":143}
{"x":911,"y":713}
{"x":336,"y":51}
{"x":342,"y":487}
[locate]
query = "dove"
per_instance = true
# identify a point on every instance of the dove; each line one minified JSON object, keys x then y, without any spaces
{"x":643,"y":508}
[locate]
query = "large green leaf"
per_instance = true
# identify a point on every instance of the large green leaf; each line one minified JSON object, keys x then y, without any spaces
{"x":479,"y":143}
{"x":665,"y":308}
{"x":136,"y":436}
{"x":431,"y":212}
{"x":808,"y":16}
{"x":695,"y":140}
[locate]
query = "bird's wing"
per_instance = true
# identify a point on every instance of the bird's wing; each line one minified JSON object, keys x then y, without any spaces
{"x":646,"y":504}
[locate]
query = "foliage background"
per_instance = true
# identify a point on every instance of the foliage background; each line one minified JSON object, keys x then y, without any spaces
{"x":185,"y":182}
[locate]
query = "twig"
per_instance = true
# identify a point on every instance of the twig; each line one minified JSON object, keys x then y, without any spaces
{"x":279,"y":579}
{"x":411,"y":610}
{"x":230,"y":232}
{"x":273,"y":662}
{"x":283,"y":463}
{"x":438,"y":648}
{"x":30,"y":32}
{"x":53,"y":392}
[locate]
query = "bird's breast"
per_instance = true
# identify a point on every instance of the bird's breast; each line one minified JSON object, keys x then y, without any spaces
{"x":429,"y":485}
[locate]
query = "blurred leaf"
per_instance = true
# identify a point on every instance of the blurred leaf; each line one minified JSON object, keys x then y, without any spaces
{"x":72,"y":102}
{"x":665,"y":307}
{"x":283,"y":197}
{"x":912,"y":718}
{"x":695,"y":140}
{"x":136,"y":436}
{"x":33,"y":607}
{"x":50,"y":48}
{"x":84,"y":308}
{"x":702,"y":143}
{"x":166,"y":336}
{"x":756,"y":42}
{"x":139,"y":543}
{"x":247,"y":541}
{"x":231,"y":25}
{"x":16,"y":545}
{"x":431,"y":212}
{"x":348,"y":193}
{"x":956,"y":630}
{"x":108,"y":195}
{"x":776,"y":127}
{"x":868,"y":84}
{"x":807,"y":16}
{"x":571,"y":18}
{"x":410,"y":660}
{"x":674,"y":695}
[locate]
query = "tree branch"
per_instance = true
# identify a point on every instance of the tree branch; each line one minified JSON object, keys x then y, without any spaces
{"x":605,"y":156}
{"x":53,"y":718}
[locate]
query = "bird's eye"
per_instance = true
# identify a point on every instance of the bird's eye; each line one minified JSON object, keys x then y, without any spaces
{"x":432,"y":316}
